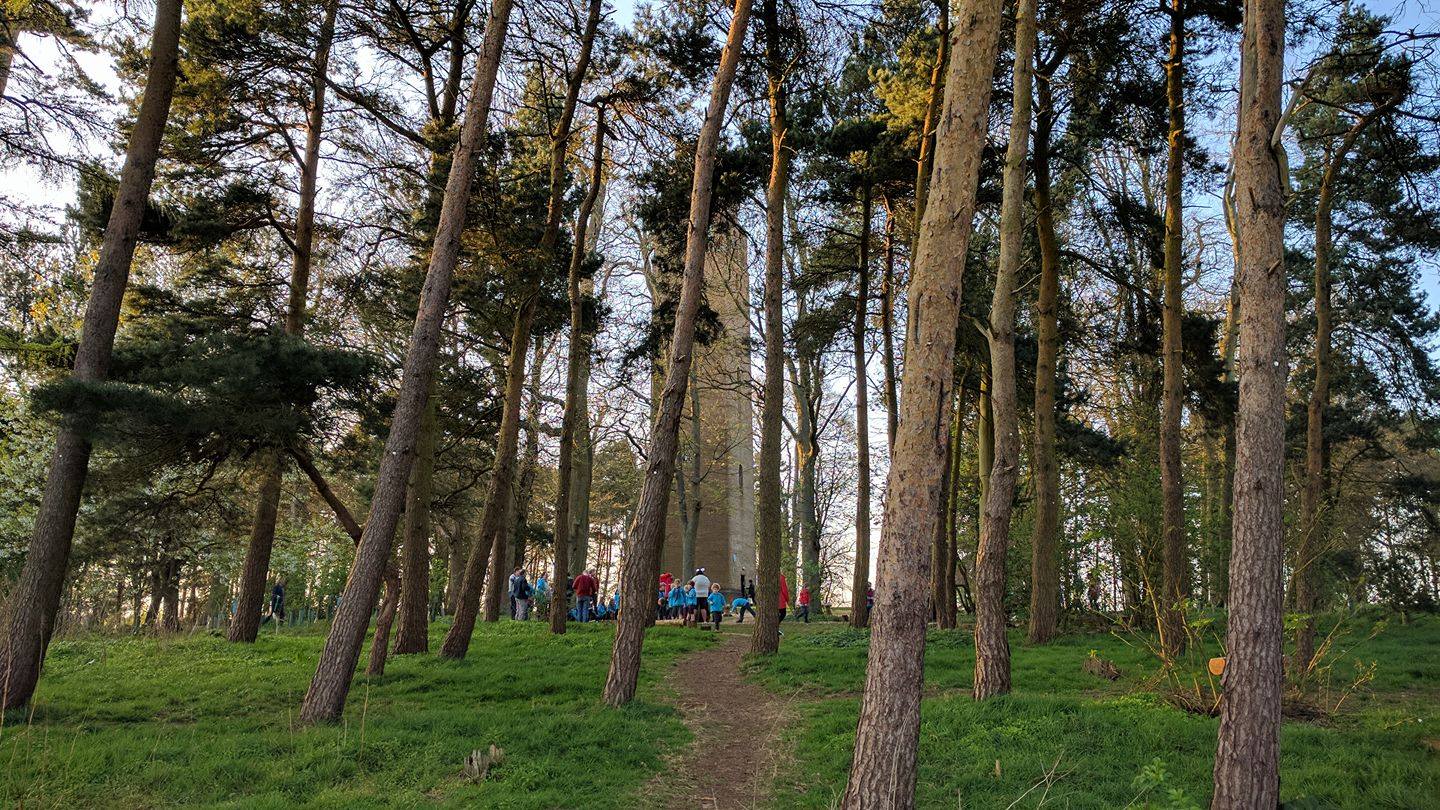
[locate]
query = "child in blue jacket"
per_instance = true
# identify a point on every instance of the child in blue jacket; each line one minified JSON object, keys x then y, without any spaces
{"x":677,"y":602}
{"x":691,"y":599}
{"x":717,"y":604}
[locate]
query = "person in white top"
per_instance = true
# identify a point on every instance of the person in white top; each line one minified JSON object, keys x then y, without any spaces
{"x":702,"y":590}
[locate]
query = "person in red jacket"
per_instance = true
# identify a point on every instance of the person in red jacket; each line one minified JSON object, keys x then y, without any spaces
{"x":586,"y":586}
{"x":803,"y":602}
{"x":784,"y":595}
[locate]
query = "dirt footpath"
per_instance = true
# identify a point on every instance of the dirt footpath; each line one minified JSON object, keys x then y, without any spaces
{"x":737,"y":725}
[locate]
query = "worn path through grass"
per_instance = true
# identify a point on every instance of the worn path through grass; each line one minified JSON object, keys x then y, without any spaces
{"x":732,"y":760}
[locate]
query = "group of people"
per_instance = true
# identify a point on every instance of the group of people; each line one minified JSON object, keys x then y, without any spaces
{"x":700,"y":602}
{"x":583,"y":589}
{"x":696,"y":602}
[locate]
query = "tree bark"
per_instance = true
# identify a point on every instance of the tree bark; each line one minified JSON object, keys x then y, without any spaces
{"x":925,"y":166}
{"x":457,"y":640}
{"x":766,"y":640}
{"x":953,"y":589}
{"x":413,"y":633}
{"x":887,"y":334}
{"x":325,"y":699}
{"x":807,"y":457}
{"x":860,"y":581}
{"x":169,"y":596}
{"x":1247,"y":752}
{"x":499,"y":497}
{"x":984,"y":443}
{"x":689,"y":489}
{"x":574,"y":369}
{"x":992,"y":648}
{"x":384,"y":620}
{"x":1172,"y":489}
{"x":454,"y":565}
{"x":884,"y":767}
{"x":584,"y":441}
{"x":29,"y":614}
{"x":1045,"y":535}
{"x":942,"y":565}
{"x":642,"y":547}
{"x":246,"y":623}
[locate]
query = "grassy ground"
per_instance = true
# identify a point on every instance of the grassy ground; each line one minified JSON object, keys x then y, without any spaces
{"x":197,"y":721}
{"x":194,"y":721}
{"x":1069,"y":739}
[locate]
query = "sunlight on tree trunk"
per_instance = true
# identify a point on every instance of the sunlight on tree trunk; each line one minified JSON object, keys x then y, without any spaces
{"x":325,"y":699}
{"x":1247,"y":755}
{"x":884,"y":769}
{"x":642,"y":547}
{"x":29,"y":614}
{"x":992,"y":649}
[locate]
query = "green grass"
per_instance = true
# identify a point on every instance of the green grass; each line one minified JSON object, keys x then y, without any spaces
{"x":1105,"y":744}
{"x":140,"y":722}
{"x":195,"y":721}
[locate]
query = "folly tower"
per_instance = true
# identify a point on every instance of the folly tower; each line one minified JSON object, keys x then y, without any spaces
{"x":724,"y":479}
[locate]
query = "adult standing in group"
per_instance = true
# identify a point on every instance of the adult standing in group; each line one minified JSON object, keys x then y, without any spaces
{"x":516,"y":577}
{"x":520,"y":595}
{"x":702,"y":588}
{"x":784,"y":596}
{"x":586,"y":587}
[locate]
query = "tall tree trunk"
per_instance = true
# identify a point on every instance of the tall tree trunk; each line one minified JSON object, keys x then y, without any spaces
{"x":517,"y":521}
{"x":584,"y":441}
{"x":413,"y":633}
{"x":575,"y":404}
{"x":958,"y":482}
{"x":457,"y":640}
{"x":689,"y":490}
{"x":29,"y":614}
{"x":807,"y":391}
{"x":766,"y":640}
{"x":1227,"y":461}
{"x":384,"y":620}
{"x":925,"y":166}
{"x":887,"y":334}
{"x":454,"y":565}
{"x":169,"y":596}
{"x":942,"y":565}
{"x":1312,"y":493}
{"x":984,"y":443}
{"x":860,"y":581}
{"x":1172,"y":490}
{"x":992,"y":648}
{"x":1045,"y":534}
{"x":883,"y":770}
{"x":499,"y":500}
{"x":325,"y":699}
{"x":806,"y":464}
{"x":246,"y":623}
{"x":1247,"y":754}
{"x":642,"y":547}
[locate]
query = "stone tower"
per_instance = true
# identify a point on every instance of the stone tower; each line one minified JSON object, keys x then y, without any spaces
{"x":725,"y":533}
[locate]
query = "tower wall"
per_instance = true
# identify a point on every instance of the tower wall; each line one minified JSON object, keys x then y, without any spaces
{"x":725,"y":540}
